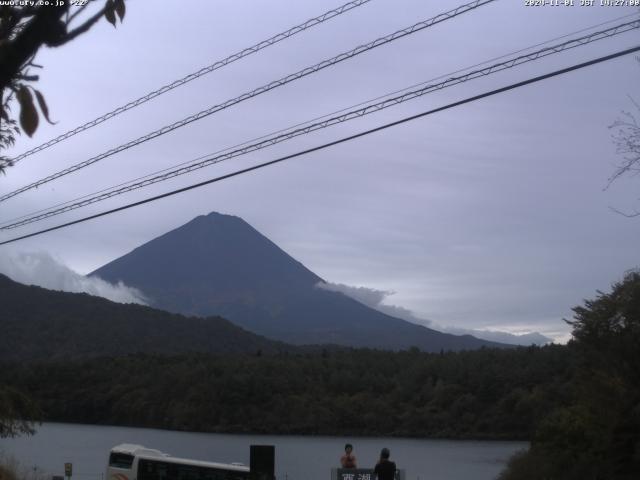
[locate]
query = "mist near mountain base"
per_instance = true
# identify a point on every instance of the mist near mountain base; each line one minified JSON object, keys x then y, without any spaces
{"x":374,"y":298}
{"x":42,"y":270}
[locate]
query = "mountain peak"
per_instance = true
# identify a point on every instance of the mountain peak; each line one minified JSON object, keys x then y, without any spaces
{"x":215,"y":220}
{"x":217,"y":216}
{"x":218,"y":264}
{"x":219,"y":254}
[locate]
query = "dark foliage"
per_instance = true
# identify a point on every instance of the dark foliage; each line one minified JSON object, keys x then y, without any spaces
{"x":26,"y":27}
{"x":39,"y":324}
{"x":17,"y":412}
{"x":480,"y":394}
{"x":597,"y":435}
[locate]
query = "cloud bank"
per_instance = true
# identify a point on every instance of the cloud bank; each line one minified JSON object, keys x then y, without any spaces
{"x":374,"y":298}
{"x":44,"y":271}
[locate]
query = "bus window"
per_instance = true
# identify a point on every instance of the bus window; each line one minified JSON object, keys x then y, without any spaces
{"x":161,"y":470}
{"x":150,"y":470}
{"x":120,"y":460}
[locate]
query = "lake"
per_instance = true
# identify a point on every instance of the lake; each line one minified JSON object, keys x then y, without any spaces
{"x":297,"y":457}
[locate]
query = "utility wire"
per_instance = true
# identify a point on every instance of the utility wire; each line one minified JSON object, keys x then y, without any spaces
{"x":14,"y":222}
{"x":530,"y":47}
{"x":326,"y":115}
{"x":335,"y":112}
{"x":258,"y":91}
{"x":335,"y":142}
{"x":345,"y":109}
{"x":168,"y":173}
{"x":312,"y":22}
{"x":202,"y":162}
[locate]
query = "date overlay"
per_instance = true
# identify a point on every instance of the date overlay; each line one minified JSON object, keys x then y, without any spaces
{"x":582,"y":3}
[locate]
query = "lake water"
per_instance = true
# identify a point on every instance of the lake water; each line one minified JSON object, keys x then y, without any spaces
{"x":297,"y":457}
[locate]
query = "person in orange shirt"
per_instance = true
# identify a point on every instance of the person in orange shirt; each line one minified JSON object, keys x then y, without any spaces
{"x":348,"y":460}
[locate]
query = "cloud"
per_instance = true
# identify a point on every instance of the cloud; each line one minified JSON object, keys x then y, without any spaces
{"x":374,"y":298}
{"x":524,"y":339}
{"x":44,"y":271}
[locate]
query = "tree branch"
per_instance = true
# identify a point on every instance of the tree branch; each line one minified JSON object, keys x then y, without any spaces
{"x":78,"y":11}
{"x":42,"y":28}
{"x":82,"y":28}
{"x":28,"y":78}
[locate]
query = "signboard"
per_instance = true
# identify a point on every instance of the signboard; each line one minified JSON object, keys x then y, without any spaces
{"x":68,"y":469}
{"x":355,"y":474}
{"x":360,"y":474}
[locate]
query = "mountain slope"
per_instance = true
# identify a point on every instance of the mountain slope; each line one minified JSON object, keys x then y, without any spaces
{"x":219,"y":264}
{"x":40,"y":324}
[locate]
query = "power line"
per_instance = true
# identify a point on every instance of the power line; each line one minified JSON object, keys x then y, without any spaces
{"x":335,"y":112}
{"x":312,"y":22}
{"x":14,"y":222}
{"x":269,"y":141}
{"x":335,"y":142}
{"x":480,"y":64}
{"x":168,"y":173}
{"x":258,"y":91}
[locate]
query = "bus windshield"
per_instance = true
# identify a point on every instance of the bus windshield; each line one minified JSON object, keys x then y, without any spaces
{"x":120,"y":460}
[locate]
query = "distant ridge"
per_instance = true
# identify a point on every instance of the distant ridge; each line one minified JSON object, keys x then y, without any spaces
{"x":220,"y":265}
{"x":39,"y":324}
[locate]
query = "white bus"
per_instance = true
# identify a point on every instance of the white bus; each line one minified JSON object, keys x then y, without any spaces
{"x":135,"y":462}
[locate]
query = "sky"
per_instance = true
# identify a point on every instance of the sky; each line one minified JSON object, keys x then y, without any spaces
{"x":494,"y":215}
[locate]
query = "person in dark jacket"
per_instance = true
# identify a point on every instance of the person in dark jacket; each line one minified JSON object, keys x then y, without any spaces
{"x":385,"y":468}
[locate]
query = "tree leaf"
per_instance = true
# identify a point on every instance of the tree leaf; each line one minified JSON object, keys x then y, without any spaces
{"x":109,"y":12}
{"x":43,"y":106}
{"x":120,"y":8}
{"x":28,"y":112}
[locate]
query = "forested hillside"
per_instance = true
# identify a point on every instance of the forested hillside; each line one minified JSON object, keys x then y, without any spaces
{"x":480,"y":394}
{"x":579,"y":404}
{"x":40,"y":324}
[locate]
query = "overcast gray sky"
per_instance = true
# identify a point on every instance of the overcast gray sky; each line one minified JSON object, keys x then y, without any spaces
{"x":492,"y":215}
